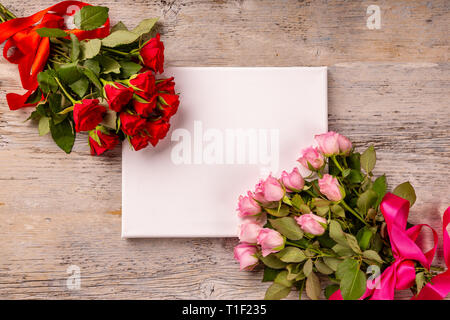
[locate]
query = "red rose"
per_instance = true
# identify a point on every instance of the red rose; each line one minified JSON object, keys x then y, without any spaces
{"x":145,"y":83}
{"x":131,"y":124}
{"x":166,"y":85}
{"x":145,"y":108}
{"x":118,"y":96}
{"x":157,"y":131}
{"x":87,"y":114}
{"x":107,"y":142}
{"x":171,"y":107}
{"x":139,"y":142}
{"x":152,"y":55}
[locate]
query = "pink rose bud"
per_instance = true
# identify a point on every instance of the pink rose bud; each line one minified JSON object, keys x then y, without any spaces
{"x":313,"y":157}
{"x":328,"y":143}
{"x":246,"y":255}
{"x":270,"y":241}
{"x":247,"y":206}
{"x":292,"y":181}
{"x":310,"y":223}
{"x":269,"y":190}
{"x":345,"y":145}
{"x":329,"y":186}
{"x":249,"y":232}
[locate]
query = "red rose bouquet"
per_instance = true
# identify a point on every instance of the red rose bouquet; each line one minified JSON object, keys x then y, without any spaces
{"x":83,"y":76}
{"x":341,"y":226}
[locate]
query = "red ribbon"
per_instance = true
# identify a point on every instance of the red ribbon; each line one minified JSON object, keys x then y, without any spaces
{"x":401,"y":274}
{"x":30,"y":51}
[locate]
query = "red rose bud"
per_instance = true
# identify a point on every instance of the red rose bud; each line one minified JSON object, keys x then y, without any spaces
{"x":157,"y":131}
{"x":152,"y":55}
{"x":139,"y":142}
{"x":169,"y":106}
{"x":144,"y":84}
{"x":107,"y":142}
{"x":144,"y":107}
{"x":131,"y":124}
{"x":87,"y":114}
{"x":166,"y":85}
{"x":118,"y":96}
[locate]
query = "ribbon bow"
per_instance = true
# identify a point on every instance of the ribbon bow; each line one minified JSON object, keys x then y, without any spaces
{"x":31,"y":50}
{"x":401,"y":274}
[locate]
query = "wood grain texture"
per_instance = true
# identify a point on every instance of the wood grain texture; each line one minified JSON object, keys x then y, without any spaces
{"x":389,"y":87}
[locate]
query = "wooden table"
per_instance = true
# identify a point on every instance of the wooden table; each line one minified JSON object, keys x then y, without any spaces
{"x":387,"y":86}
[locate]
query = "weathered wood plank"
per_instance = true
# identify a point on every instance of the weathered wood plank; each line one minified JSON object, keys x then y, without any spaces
{"x":58,"y":210}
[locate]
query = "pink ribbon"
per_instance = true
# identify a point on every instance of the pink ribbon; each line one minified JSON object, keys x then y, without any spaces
{"x":401,"y":274}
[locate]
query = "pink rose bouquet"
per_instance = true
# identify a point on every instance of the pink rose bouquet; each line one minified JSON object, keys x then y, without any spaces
{"x":341,"y":226}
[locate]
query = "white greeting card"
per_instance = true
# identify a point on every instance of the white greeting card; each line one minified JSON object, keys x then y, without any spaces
{"x":234,"y":125}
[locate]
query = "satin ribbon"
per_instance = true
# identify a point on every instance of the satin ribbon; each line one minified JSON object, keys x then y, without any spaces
{"x":401,"y":274}
{"x":30,"y":51}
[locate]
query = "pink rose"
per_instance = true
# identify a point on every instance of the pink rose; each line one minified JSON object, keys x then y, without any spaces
{"x":270,"y":241}
{"x":345,"y":145}
{"x":269,"y":190}
{"x":328,"y":143}
{"x":292,"y":181}
{"x":247,"y":206}
{"x":249,"y":232}
{"x":329,"y":186}
{"x":246,"y":255}
{"x":310,"y":223}
{"x":313,"y":157}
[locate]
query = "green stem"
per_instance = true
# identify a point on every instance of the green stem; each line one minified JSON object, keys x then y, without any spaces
{"x":337,"y":163}
{"x":65,"y":91}
{"x":120,"y":52}
{"x":313,"y":250}
{"x":356,"y":214}
{"x":8,"y":13}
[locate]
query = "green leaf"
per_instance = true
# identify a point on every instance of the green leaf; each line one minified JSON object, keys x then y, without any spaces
{"x":145,"y":26}
{"x":75,"y":52}
{"x":313,"y":286}
{"x":353,"y":243}
{"x":273,"y":262}
{"x":93,"y":65}
{"x":119,"y":37}
{"x":90,"y":48}
{"x":288,"y":227}
{"x":330,"y":289}
{"x":322,"y":211}
{"x":269,"y":274}
{"x":91,"y":76}
{"x":372,"y":255}
{"x":118,"y":26}
{"x":353,"y":161}
{"x":318,"y":202}
{"x":332,"y":263}
{"x":323,"y":268}
{"x":90,"y":17}
{"x":291,"y":254}
{"x":51,"y":32}
{"x":287,"y":200}
{"x":129,"y":68}
{"x":54,"y":102}
{"x":297,"y":201}
{"x":366,"y":200}
{"x":368,"y":159}
{"x":109,"y":65}
{"x":281,"y":278}
{"x":294,"y":272}
{"x":348,"y":265}
{"x":343,"y":251}
{"x":346,"y":172}
{"x":69,"y":73}
{"x":406,"y":191}
{"x":308,"y":267}
{"x":277,"y":292}
{"x":355,"y":176}
{"x":380,"y":187}
{"x":47,"y":82}
{"x":80,"y":87}
{"x":364,"y":236}
{"x":336,"y":233}
{"x":281,"y":212}
{"x":338,"y":211}
{"x":353,"y":284}
{"x":44,"y":126}
{"x":63,"y":134}
{"x":420,"y":281}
